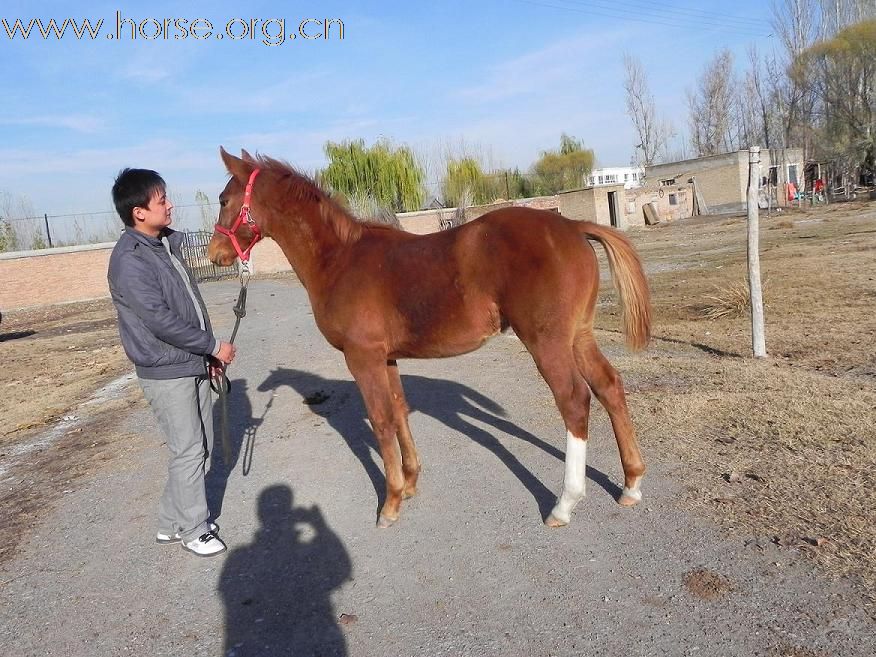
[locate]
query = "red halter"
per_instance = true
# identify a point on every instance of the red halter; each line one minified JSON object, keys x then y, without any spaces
{"x":243,"y":216}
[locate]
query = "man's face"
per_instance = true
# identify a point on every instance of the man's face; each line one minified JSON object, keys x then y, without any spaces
{"x":156,"y":216}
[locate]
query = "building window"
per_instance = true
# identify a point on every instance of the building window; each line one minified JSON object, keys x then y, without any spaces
{"x":673,"y":199}
{"x":592,"y":180}
{"x":626,"y":177}
{"x":792,"y":173}
{"x":600,"y":180}
{"x":667,"y":182}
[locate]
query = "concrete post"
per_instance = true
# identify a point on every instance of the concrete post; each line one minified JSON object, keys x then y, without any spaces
{"x":758,"y":341}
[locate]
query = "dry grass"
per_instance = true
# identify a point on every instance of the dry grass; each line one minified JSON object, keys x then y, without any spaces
{"x":732,"y":300}
{"x":53,"y":357}
{"x":783,"y":225}
{"x":782,"y":449}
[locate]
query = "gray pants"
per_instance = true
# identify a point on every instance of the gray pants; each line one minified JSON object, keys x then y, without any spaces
{"x":183,"y":408}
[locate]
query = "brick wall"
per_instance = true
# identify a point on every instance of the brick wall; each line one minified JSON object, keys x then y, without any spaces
{"x":638,"y":197}
{"x":268,"y":258}
{"x":36,"y":278}
{"x":719,"y":177}
{"x":78,"y":273}
{"x":425,"y":221}
{"x":579,"y":205}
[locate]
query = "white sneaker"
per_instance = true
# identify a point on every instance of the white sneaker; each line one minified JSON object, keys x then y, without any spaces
{"x":206,"y":545}
{"x":168,"y":539}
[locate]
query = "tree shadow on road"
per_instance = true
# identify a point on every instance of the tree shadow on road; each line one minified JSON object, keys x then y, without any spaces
{"x":277,"y":590}
{"x":451,"y":403}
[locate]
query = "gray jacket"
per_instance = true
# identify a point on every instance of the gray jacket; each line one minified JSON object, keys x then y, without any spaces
{"x":158,"y":323}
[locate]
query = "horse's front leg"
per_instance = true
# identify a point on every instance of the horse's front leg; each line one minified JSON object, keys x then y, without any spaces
{"x":370,"y":371}
{"x":410,"y":461}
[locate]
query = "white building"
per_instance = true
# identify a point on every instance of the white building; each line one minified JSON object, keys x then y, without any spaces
{"x":627,"y":176}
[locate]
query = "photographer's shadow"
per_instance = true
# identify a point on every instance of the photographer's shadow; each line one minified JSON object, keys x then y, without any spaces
{"x":277,"y":590}
{"x":451,"y":403}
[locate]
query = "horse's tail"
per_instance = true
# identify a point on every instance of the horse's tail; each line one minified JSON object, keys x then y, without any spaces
{"x":629,"y":280}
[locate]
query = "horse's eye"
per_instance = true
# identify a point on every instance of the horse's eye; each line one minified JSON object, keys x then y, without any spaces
{"x":223,"y":202}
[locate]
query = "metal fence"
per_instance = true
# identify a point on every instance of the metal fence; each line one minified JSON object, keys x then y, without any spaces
{"x":195,"y":253}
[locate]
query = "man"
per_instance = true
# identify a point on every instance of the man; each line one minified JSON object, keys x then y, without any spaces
{"x":166,"y":333}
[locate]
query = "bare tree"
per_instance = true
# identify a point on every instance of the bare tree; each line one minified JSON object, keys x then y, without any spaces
{"x":837,"y":14}
{"x":711,"y":107}
{"x":762,"y":110}
{"x":797,"y":24}
{"x":653,"y":133}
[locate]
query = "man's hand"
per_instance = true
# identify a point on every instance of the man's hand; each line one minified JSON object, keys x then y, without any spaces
{"x":226,"y":352}
{"x":215,"y":368}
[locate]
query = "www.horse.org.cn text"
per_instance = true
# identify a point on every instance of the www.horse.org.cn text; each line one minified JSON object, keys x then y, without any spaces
{"x":269,"y":31}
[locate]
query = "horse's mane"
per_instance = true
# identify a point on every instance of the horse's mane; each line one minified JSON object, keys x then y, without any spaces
{"x":297,"y":186}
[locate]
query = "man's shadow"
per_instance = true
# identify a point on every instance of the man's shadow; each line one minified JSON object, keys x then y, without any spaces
{"x":451,"y":403}
{"x":242,"y":429}
{"x":277,"y":590}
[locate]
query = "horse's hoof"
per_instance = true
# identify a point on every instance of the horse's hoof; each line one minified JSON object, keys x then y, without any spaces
{"x":385,"y":523}
{"x":553,"y":521}
{"x":630,"y":498}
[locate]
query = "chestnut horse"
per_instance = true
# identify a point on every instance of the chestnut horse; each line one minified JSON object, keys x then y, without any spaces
{"x":379,"y":294}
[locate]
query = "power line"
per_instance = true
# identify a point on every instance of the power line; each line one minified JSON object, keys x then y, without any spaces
{"x":652,"y":16}
{"x":647,"y":7}
{"x":651,"y":19}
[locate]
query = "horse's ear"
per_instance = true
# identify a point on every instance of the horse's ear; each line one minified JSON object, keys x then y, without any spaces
{"x":236,"y":167}
{"x":246,"y":156}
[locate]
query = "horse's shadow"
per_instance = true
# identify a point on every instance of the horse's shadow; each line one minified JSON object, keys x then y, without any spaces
{"x":451,"y":403}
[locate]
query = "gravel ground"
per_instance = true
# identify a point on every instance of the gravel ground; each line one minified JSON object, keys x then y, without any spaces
{"x":468,"y":570}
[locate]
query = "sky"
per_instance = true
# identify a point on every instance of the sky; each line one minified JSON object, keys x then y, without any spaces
{"x":498,"y":79}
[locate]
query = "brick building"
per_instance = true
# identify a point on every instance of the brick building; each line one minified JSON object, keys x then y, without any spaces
{"x":722,"y":180}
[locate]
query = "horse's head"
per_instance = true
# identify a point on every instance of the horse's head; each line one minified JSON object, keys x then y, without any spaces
{"x":236,"y":229}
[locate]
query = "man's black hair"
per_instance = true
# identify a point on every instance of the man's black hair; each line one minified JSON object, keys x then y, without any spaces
{"x":134,"y":188}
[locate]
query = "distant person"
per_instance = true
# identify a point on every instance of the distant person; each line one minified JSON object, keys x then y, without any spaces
{"x":166,"y":333}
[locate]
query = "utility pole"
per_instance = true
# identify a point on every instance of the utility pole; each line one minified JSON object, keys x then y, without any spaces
{"x":48,"y":232}
{"x":758,"y":342}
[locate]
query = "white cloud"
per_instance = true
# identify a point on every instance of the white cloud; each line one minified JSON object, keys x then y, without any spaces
{"x":84,"y":123}
{"x":542,"y":71}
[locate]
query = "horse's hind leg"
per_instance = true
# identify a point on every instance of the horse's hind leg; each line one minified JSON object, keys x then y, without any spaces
{"x":371,"y":374}
{"x":556,"y":363}
{"x":608,"y":387}
{"x":410,"y":461}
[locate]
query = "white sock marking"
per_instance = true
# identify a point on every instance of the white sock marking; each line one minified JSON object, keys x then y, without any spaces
{"x":634,"y":492}
{"x":574,"y":482}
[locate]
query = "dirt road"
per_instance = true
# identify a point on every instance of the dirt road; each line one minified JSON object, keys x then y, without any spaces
{"x":468,"y":570}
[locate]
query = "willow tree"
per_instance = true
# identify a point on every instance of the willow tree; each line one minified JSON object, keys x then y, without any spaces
{"x":465,"y":179}
{"x":388,"y":175}
{"x":842,"y":75}
{"x":566,"y":168}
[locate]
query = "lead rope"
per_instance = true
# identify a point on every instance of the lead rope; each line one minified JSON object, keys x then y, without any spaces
{"x":221,"y":384}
